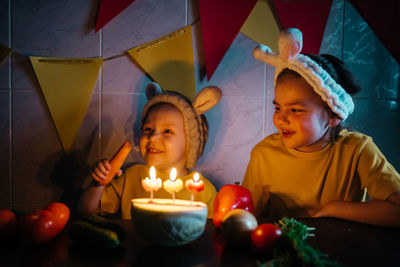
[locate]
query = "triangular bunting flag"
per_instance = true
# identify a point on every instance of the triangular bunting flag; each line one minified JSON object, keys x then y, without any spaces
{"x":309,"y":16}
{"x":169,"y":61}
{"x":108,"y":9}
{"x":67,"y":85}
{"x":220,"y":23}
{"x":261,"y":25}
{"x":384,"y":20}
{"x":4,"y":52}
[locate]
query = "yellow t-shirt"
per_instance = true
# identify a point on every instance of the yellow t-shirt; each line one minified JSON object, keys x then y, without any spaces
{"x":118,"y":194}
{"x":286,"y":182}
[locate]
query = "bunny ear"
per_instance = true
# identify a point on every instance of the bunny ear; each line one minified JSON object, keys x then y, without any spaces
{"x":206,"y":99}
{"x":152,"y":90}
{"x":264,"y":54}
{"x":290,"y":43}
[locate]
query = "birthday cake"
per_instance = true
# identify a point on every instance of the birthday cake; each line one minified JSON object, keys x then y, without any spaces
{"x":168,"y":222}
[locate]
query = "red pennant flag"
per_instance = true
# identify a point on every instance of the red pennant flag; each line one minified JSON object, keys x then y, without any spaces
{"x":108,"y":10}
{"x":220,"y":22}
{"x":309,"y":16}
{"x":383,"y":18}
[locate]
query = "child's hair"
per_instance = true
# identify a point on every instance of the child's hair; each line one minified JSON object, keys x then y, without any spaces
{"x":337,"y":70}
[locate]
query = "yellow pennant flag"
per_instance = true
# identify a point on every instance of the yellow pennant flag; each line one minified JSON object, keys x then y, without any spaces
{"x":261,"y":25}
{"x":4,"y":52}
{"x":169,"y":61}
{"x":67,"y":85}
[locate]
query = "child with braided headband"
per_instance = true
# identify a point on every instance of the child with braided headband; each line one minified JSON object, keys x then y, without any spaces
{"x":312,"y":167}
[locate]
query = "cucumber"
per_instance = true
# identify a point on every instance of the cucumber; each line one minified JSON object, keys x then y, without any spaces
{"x":107,"y":224}
{"x":86,"y":234}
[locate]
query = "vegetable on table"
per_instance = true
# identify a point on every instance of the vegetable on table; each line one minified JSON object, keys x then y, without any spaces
{"x":94,"y":231}
{"x":291,"y":249}
{"x":231,"y":197}
{"x":117,"y":161}
{"x":39,"y":226}
{"x":61,"y":212}
{"x":264,"y":235}
{"x":43,"y":225}
{"x":237,"y":226}
{"x":8,"y":224}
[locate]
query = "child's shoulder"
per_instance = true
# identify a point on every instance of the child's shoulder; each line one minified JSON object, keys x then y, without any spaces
{"x":271,"y":141}
{"x":351,"y":137}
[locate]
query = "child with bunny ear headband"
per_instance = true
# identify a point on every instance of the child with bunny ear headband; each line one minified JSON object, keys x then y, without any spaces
{"x":174,"y":131}
{"x":312,"y":167}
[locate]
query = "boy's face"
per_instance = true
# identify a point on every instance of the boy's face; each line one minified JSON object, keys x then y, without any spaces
{"x":162,"y":143}
{"x":301,"y":116}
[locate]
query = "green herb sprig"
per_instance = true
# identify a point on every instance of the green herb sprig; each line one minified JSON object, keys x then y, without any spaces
{"x":291,"y":249}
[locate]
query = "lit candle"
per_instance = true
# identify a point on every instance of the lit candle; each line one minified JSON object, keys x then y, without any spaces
{"x":152,"y":184}
{"x":194,"y":185}
{"x":173,"y":185}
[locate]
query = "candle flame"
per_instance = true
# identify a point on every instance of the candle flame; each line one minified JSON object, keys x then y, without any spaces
{"x":196,"y":177}
{"x":172,"y":175}
{"x":152,"y":173}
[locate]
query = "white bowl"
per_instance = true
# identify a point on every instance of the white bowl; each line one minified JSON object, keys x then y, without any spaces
{"x":166,"y":224}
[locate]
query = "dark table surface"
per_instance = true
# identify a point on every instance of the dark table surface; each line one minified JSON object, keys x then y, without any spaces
{"x":349,"y":243}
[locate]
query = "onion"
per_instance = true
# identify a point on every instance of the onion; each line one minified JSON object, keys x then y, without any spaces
{"x":237,"y":226}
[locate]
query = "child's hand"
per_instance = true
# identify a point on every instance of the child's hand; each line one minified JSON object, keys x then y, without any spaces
{"x":101,"y":170}
{"x":328,"y":210}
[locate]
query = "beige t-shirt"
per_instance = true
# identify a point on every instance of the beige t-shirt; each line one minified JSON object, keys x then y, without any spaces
{"x":118,"y":194}
{"x":286,"y":182}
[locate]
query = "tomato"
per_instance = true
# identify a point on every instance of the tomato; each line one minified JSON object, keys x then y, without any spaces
{"x":61,"y":212}
{"x":231,"y":197}
{"x":8,"y":224}
{"x":264,"y":236}
{"x":39,"y":226}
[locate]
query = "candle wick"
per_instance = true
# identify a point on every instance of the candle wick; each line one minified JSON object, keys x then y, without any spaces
{"x":151,"y":195}
{"x":191,"y":199}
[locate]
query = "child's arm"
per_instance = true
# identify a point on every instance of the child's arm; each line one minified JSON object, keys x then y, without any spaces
{"x":90,"y":199}
{"x":376,"y":212}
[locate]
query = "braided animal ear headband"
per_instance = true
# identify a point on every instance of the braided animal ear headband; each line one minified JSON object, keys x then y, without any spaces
{"x":290,"y":44}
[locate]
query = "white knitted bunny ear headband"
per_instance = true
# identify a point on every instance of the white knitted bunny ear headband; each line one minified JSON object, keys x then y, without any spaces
{"x":290,"y":44}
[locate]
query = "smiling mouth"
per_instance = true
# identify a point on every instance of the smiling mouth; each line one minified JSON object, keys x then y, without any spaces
{"x":286,"y":133}
{"x":153,"y":150}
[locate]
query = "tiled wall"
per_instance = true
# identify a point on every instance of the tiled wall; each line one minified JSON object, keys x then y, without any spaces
{"x":33,"y":168}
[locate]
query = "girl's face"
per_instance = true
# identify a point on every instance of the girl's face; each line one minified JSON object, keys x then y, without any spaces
{"x":162,"y":143}
{"x":301,"y":116}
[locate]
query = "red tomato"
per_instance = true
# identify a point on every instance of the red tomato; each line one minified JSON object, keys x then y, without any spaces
{"x":231,"y":196}
{"x":61,"y":212}
{"x":8,"y":224}
{"x":264,"y":236}
{"x":40,"y":226}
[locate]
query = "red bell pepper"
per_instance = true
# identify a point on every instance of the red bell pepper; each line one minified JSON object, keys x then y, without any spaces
{"x":231,"y":197}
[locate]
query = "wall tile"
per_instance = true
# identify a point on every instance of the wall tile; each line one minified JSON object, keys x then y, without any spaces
{"x":4,"y":40}
{"x":239,"y":73}
{"x":36,"y":150}
{"x":333,"y":36}
{"x":51,"y":29}
{"x":236,"y":121}
{"x":121,"y":114}
{"x":5,"y":179}
{"x":368,"y":59}
{"x":123,"y":75}
{"x":141,"y":22}
{"x":224,"y":164}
